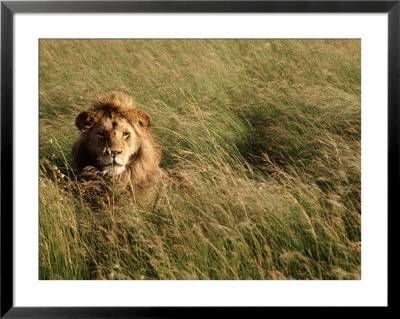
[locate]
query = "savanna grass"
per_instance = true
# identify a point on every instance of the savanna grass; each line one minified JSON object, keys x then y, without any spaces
{"x":261,"y":139}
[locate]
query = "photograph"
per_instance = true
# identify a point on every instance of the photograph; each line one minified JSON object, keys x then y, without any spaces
{"x":199,"y":159}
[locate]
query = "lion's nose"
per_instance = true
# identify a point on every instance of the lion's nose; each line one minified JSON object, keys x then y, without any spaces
{"x":113,"y":153}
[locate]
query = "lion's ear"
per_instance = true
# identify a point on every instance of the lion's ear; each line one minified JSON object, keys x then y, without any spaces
{"x":144,"y":119}
{"x":84,"y":121}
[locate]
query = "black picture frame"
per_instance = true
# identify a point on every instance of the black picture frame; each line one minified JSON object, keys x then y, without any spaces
{"x":9,"y":8}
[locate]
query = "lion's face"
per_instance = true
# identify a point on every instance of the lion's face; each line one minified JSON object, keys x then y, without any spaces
{"x":113,"y":140}
{"x":116,"y":138}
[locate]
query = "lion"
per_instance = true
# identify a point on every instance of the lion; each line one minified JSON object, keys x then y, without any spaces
{"x":116,"y":140}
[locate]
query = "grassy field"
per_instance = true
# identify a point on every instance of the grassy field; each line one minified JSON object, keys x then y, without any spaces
{"x":261,"y":139}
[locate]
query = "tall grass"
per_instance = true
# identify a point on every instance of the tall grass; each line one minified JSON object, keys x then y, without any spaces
{"x":261,"y":139}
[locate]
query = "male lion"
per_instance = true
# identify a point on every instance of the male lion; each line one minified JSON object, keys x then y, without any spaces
{"x":116,"y":140}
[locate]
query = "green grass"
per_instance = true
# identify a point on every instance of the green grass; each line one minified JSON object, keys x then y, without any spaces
{"x":261,"y":139}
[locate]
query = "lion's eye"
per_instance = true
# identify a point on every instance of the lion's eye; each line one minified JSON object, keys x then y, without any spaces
{"x":101,"y":135}
{"x":126,"y":134}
